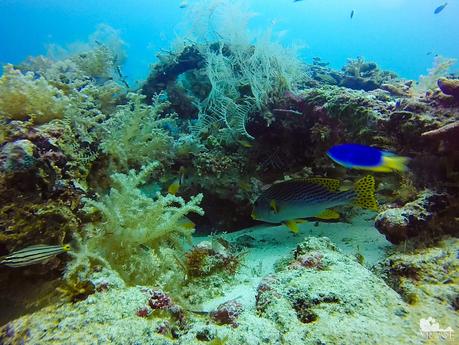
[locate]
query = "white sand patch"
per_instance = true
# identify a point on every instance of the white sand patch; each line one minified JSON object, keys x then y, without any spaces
{"x":271,"y":243}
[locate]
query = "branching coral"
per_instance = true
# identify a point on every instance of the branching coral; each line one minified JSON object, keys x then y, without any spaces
{"x":24,"y":96}
{"x":135,"y":133}
{"x":138,"y":236}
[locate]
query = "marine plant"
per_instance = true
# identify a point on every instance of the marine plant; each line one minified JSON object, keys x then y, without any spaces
{"x":139,"y":237}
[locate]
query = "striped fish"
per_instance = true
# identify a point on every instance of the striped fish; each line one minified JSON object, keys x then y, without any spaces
{"x":32,"y":255}
{"x":284,"y":202}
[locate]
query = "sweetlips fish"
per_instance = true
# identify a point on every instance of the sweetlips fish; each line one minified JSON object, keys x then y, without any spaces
{"x":288,"y":201}
{"x":33,"y":255}
{"x":355,"y":156}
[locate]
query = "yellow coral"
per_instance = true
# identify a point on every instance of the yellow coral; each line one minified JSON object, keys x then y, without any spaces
{"x":23,"y":97}
{"x":138,"y":236}
{"x":135,"y":133}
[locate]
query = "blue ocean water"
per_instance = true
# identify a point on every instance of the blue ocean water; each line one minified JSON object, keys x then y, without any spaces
{"x":400,"y":35}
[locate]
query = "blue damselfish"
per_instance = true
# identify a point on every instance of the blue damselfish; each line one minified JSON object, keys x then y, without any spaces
{"x":355,"y":156}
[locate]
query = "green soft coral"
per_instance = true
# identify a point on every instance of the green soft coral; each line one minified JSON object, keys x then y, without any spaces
{"x":135,"y":133}
{"x":23,"y":97}
{"x":138,"y":236}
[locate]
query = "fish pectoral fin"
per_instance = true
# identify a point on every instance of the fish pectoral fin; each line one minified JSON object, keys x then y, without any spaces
{"x":292,"y":225}
{"x":328,"y":214}
{"x":273,"y":206}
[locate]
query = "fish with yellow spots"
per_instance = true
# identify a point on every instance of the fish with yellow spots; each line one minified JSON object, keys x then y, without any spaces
{"x":288,"y":201}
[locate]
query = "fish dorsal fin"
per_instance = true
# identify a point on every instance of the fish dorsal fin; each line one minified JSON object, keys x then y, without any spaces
{"x":273,"y":206}
{"x":365,"y":190}
{"x":328,"y":214}
{"x":330,"y":183}
{"x":292,"y":225}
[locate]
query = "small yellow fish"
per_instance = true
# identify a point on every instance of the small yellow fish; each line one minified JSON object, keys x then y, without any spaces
{"x":33,"y":255}
{"x":174,"y":187}
{"x":187,"y":223}
{"x":245,"y":143}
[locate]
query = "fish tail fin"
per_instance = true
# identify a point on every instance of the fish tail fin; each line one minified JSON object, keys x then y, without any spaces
{"x":365,"y":190}
{"x":395,"y":163}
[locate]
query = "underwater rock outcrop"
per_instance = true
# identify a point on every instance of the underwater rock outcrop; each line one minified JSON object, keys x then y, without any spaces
{"x":337,"y":301}
{"x":426,"y":278}
{"x":416,"y":218}
{"x":449,"y":87}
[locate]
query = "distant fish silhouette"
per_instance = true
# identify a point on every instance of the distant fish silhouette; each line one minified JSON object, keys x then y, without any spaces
{"x":297,"y":0}
{"x":440,"y":8}
{"x":352,"y":14}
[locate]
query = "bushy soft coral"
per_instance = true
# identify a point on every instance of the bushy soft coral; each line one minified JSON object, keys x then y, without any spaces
{"x":138,"y":236}
{"x":26,"y":96}
{"x":440,"y":68}
{"x":136,"y":134}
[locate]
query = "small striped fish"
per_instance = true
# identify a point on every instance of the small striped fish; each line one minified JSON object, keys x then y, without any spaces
{"x":303,"y":198}
{"x":32,"y":255}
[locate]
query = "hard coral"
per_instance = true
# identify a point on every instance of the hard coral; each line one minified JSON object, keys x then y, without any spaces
{"x":449,"y":87}
{"x":311,"y":260}
{"x":204,"y":260}
{"x":414,"y":218}
{"x":227,"y":313}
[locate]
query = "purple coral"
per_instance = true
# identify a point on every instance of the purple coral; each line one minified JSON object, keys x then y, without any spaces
{"x":311,"y":260}
{"x":159,"y":300}
{"x":266,"y":293}
{"x":227,"y":313}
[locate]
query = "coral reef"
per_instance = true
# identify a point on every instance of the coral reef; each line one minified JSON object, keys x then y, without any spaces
{"x":425,"y":277}
{"x":208,"y":258}
{"x":136,"y":235}
{"x":25,"y":97}
{"x":343,"y":303}
{"x":135,"y":133}
{"x":227,"y":313}
{"x":449,"y":87}
{"x":125,"y":175}
{"x":423,"y":217}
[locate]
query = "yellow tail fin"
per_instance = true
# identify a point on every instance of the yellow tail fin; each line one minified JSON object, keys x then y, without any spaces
{"x":396,"y":163}
{"x":365,"y":190}
{"x":292,"y":225}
